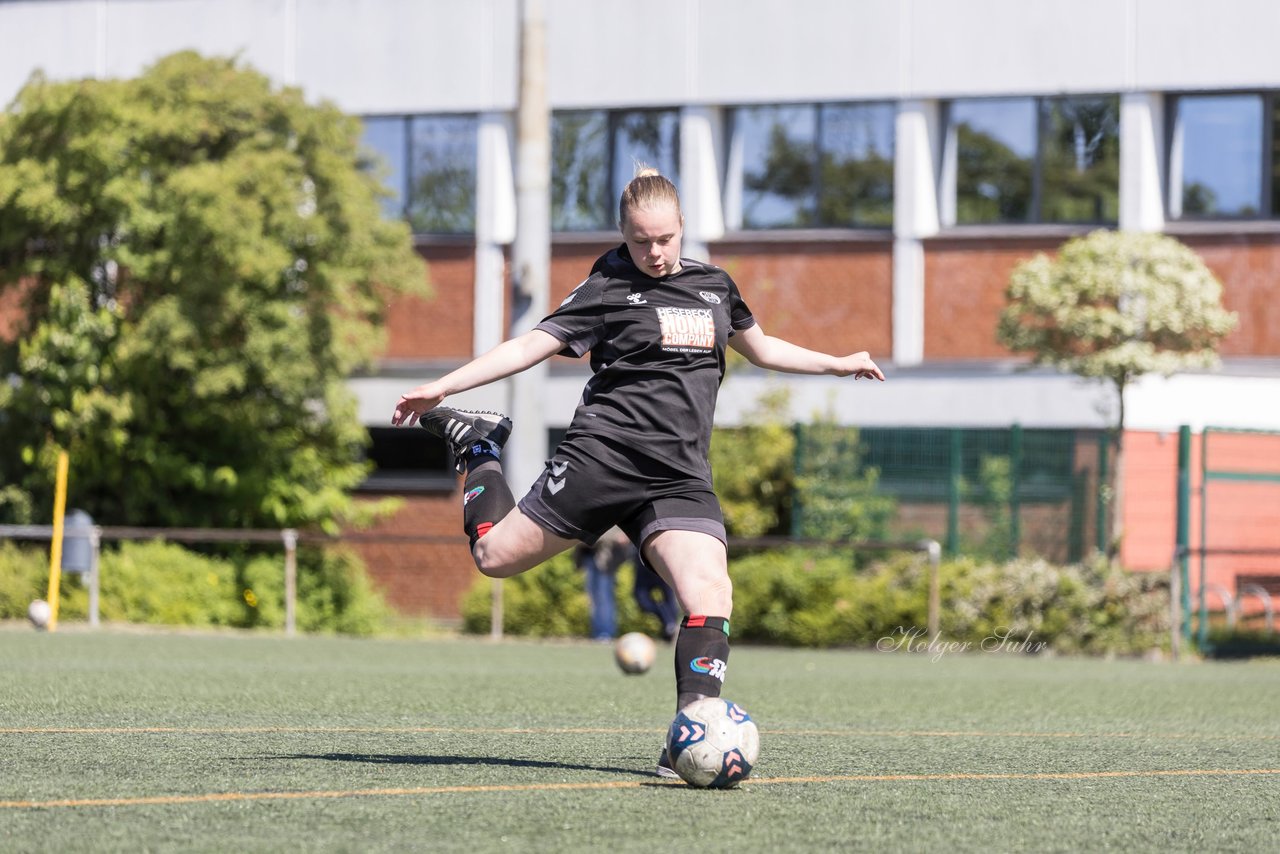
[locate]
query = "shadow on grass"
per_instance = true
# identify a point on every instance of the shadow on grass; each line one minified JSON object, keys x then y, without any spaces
{"x":402,"y":759}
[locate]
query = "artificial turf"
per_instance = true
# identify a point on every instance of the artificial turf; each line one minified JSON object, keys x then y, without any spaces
{"x":120,"y":740}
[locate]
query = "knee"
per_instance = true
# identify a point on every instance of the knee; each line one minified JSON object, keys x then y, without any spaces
{"x":489,"y":561}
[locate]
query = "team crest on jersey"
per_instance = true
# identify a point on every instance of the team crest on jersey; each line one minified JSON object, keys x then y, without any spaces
{"x":709,"y":297}
{"x":686,"y":330}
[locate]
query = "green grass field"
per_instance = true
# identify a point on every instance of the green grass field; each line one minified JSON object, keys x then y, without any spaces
{"x":155,"y":741}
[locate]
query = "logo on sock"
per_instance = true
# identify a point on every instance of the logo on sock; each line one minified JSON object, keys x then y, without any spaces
{"x":711,"y":666}
{"x":466,"y":499}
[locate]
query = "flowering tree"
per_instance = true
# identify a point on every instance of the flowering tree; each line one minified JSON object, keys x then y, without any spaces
{"x":1114,"y":306}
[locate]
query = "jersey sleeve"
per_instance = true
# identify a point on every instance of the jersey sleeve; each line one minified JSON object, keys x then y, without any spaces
{"x":579,"y":319}
{"x":740,"y":316}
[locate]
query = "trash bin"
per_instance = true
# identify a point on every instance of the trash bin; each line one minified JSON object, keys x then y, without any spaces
{"x":77,"y":545}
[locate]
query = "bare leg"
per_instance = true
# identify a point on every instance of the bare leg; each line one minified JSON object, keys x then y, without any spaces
{"x":697,"y":568}
{"x":515,"y":544}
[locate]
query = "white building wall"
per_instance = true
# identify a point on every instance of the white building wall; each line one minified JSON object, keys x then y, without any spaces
{"x":389,"y":56}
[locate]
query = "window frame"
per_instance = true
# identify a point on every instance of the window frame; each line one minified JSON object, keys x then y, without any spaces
{"x":948,"y":189}
{"x":733,"y":191}
{"x":1269,"y":192}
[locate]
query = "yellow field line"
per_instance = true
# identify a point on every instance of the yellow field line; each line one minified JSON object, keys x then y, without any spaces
{"x":221,"y":797}
{"x":409,"y":730}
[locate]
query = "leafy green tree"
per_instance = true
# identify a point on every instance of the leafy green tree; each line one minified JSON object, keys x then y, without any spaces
{"x":753,"y":469}
{"x":1113,"y":306}
{"x":835,"y":493}
{"x":201,"y":261}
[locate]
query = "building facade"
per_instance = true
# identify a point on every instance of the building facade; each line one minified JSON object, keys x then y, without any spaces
{"x":869,"y":172}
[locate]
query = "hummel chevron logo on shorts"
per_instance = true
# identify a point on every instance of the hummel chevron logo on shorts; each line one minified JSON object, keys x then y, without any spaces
{"x":467,"y":433}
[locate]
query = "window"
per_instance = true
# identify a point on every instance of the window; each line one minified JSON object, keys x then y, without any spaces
{"x":1218,"y":163}
{"x":385,"y":138}
{"x":428,"y":165}
{"x":408,"y":460}
{"x":813,"y":166}
{"x":594,"y":154}
{"x":1026,"y":160}
{"x":442,"y":174}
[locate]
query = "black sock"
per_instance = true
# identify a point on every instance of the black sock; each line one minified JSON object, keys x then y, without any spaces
{"x":486,"y":497}
{"x":702,"y":655}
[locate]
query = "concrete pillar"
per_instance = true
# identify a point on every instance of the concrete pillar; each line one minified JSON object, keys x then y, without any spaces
{"x":495,"y":228}
{"x":700,"y":186}
{"x":915,"y":216}
{"x":1142,"y":162}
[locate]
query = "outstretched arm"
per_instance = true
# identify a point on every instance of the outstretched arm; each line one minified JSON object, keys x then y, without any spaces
{"x":766,"y":351}
{"x":509,"y":357}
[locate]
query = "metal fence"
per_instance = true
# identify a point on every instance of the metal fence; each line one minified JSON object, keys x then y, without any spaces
{"x":996,"y":493}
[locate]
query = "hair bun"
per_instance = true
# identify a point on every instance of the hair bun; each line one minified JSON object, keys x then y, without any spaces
{"x":647,"y":172}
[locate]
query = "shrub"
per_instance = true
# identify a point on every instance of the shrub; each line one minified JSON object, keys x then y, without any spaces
{"x":815,"y":597}
{"x":24,"y":577}
{"x":164,"y":584}
{"x":551,"y":601}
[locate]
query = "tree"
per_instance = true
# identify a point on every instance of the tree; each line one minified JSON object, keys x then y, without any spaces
{"x":1114,"y":306}
{"x":201,"y":261}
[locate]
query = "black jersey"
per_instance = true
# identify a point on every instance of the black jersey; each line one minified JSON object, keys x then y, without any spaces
{"x":657,"y":350}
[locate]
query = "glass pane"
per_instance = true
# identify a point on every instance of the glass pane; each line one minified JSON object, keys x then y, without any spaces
{"x":1080,"y":153}
{"x":1275,"y":156}
{"x":580,"y":171}
{"x":443,"y":180}
{"x":384,"y":138}
{"x":995,"y":154}
{"x":1221,"y":155}
{"x":649,"y":137}
{"x":778,"y":169}
{"x":856,"y":145}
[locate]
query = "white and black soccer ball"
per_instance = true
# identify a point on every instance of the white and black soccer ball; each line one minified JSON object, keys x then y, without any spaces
{"x":634,"y":653}
{"x":39,"y":613}
{"x":713,"y":743}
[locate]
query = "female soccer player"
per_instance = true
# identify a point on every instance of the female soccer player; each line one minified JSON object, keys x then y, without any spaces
{"x":637,"y":451}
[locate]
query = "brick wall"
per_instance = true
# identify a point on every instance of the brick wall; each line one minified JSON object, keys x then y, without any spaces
{"x":835,"y":296}
{"x":1248,"y":265}
{"x":964,"y":294}
{"x":422,"y":578}
{"x":439,"y":326}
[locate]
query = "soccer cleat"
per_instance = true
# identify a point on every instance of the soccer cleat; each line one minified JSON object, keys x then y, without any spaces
{"x":467,"y":433}
{"x":664,"y":768}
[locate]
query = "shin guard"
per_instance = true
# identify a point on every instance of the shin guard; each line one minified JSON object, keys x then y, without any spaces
{"x":702,"y":655}
{"x":486,"y":499}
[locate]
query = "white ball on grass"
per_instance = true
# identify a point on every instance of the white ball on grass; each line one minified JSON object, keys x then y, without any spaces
{"x":39,"y":613}
{"x":634,"y":653}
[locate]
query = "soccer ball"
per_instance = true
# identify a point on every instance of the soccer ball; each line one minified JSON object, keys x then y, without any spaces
{"x":713,"y":743}
{"x":634,"y":653}
{"x":39,"y":612}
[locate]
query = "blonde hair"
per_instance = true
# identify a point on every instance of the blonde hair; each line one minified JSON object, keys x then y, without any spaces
{"x":649,"y":188}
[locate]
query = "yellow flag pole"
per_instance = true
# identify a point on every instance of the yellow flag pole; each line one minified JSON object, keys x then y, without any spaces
{"x":55,"y":546}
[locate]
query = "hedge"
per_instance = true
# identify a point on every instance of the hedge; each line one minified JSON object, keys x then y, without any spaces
{"x":815,"y":598}
{"x":165,"y":584}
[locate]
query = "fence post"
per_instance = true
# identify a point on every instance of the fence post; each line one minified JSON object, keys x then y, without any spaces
{"x":1183,"y":533}
{"x":1015,"y":507}
{"x":290,"y":537}
{"x":1104,"y":490}
{"x":95,"y":549}
{"x":495,"y":610}
{"x":953,"y":491}
{"x":934,"y":550}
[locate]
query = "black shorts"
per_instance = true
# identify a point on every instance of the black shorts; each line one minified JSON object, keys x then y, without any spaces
{"x":593,"y":483}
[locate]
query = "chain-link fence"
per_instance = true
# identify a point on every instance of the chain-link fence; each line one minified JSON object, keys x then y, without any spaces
{"x":989,"y":492}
